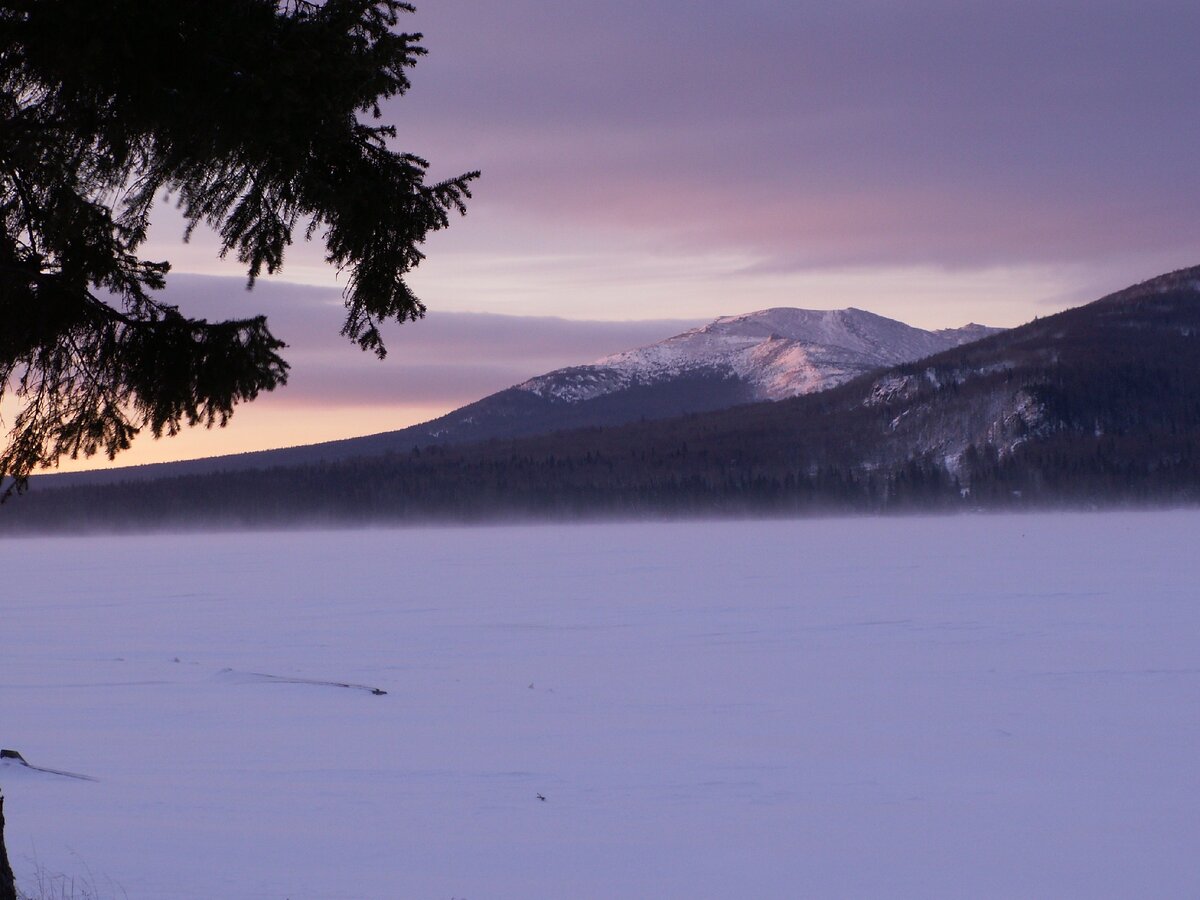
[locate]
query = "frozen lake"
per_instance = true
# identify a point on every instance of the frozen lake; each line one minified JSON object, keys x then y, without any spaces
{"x":940,"y":707}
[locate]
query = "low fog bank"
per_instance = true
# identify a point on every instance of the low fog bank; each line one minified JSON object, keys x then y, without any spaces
{"x":148,"y":508}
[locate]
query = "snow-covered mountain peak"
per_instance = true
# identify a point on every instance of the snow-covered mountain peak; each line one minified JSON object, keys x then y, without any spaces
{"x":778,"y":352}
{"x":817,"y":326}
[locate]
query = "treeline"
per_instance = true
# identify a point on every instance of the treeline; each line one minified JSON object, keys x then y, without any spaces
{"x":443,"y":485}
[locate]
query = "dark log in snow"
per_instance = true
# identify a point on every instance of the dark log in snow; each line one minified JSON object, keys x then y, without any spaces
{"x":8,"y":886}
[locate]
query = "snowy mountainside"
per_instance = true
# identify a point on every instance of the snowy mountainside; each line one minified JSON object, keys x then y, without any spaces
{"x":775,"y":353}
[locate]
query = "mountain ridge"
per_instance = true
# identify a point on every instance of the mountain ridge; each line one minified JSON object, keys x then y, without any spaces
{"x":768,"y":354}
{"x":778,"y":352}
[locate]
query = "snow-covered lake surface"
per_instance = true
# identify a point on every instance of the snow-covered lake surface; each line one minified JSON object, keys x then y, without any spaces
{"x":942,"y":707}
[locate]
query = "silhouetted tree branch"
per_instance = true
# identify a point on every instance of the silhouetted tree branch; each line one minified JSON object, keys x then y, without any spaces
{"x":250,"y":115}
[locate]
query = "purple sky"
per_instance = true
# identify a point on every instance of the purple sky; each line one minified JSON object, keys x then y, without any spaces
{"x":818,"y":135}
{"x":938,"y":162}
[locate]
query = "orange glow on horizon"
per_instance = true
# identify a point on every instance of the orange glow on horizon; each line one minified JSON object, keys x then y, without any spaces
{"x":261,"y":426}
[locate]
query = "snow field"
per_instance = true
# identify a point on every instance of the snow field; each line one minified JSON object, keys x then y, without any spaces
{"x":929,"y":707}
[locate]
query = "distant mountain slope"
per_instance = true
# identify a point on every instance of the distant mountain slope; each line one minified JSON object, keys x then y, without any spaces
{"x":1096,"y":406}
{"x":766,"y":355}
{"x":773,"y":354}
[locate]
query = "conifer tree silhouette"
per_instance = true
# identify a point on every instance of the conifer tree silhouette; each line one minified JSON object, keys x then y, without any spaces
{"x":258,"y":118}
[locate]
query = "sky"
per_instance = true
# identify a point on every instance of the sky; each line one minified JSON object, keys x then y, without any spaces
{"x":651,"y":165}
